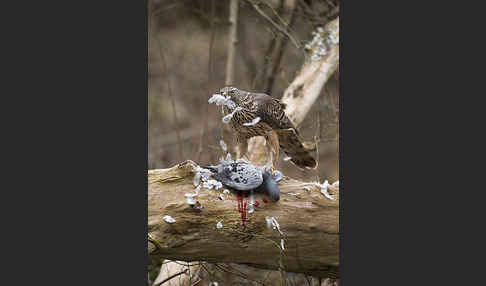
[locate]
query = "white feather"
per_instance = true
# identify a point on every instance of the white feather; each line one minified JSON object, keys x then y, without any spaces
{"x":253,"y":122}
{"x":169,"y":219}
{"x":223,"y":145}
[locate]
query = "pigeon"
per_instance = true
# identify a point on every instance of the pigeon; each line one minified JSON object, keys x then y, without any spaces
{"x":245,"y":176}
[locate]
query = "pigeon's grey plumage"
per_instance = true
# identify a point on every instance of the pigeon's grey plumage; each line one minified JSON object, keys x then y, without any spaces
{"x":239,"y":176}
{"x":244,"y":176}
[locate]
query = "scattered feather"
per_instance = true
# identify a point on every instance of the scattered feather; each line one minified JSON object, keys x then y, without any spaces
{"x":219,"y":225}
{"x":209,"y":184}
{"x":169,"y":219}
{"x":253,"y":122}
{"x":190,"y":195}
{"x":335,"y":184}
{"x":282,"y":244}
{"x":221,"y":100}
{"x":197,"y":178}
{"x":272,"y":222}
{"x":287,"y":158}
{"x":205,"y":176}
{"x":223,"y":145}
{"x":276,"y":225}
{"x":321,"y":43}
{"x":191,"y":201}
{"x":228,"y":117}
{"x":269,"y":221}
{"x":240,"y":160}
{"x":197,"y":189}
{"x":323,"y":188}
{"x":218,"y":98}
{"x":221,"y":197}
{"x":226,"y":191}
{"x":201,"y":174}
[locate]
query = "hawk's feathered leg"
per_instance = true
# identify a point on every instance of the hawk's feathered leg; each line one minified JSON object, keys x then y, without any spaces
{"x":242,"y":147}
{"x":273,"y":144}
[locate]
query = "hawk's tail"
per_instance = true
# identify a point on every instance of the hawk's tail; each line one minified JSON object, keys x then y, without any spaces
{"x":291,"y":144}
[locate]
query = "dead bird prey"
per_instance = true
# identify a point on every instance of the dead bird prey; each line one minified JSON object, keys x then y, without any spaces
{"x":245,"y":176}
{"x":258,"y":114}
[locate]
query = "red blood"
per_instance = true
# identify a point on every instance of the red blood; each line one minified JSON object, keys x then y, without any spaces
{"x":264,"y":200}
{"x":256,"y":204}
{"x":241,"y":208}
{"x":243,"y":215}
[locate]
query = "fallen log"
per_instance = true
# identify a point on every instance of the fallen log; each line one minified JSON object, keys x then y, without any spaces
{"x":308,"y":221}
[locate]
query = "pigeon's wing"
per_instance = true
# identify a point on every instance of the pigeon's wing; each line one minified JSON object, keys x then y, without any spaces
{"x":241,"y":177}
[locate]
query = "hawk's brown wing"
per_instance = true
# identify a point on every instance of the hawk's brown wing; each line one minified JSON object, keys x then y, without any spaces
{"x":272,"y":111}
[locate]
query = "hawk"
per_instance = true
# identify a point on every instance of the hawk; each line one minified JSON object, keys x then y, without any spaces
{"x":258,"y":114}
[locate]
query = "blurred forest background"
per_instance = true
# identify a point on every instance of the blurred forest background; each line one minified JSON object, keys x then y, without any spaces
{"x":188,"y":50}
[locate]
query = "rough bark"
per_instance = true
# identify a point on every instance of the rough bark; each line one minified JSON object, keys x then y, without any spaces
{"x":308,"y":220}
{"x":307,"y":85}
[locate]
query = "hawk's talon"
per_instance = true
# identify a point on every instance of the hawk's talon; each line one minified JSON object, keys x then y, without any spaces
{"x":272,"y":169}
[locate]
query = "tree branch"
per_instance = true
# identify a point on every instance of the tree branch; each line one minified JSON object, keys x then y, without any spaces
{"x":306,"y":218}
{"x":277,"y":26}
{"x":319,"y":67}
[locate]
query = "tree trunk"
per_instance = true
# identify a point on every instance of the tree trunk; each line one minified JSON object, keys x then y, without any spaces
{"x":309,"y":223}
{"x":233,"y":41}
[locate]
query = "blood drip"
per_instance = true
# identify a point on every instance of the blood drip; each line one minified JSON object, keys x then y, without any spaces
{"x":264,"y":200}
{"x":241,"y":208}
{"x":256,"y":204}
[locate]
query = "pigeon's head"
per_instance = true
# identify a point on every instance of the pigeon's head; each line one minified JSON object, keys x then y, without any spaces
{"x":269,"y":185}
